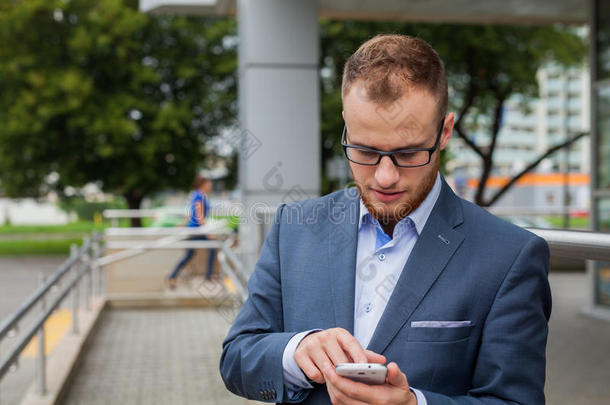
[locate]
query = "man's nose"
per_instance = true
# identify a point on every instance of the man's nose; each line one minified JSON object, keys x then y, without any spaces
{"x":386,"y":173}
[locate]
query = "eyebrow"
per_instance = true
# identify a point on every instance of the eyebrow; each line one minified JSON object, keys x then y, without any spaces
{"x":417,"y":145}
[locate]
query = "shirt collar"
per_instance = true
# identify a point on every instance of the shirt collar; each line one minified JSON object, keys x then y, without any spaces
{"x":419,"y":216}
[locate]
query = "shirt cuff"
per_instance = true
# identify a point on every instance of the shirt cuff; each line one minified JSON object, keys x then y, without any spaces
{"x":294,"y":378}
{"x":421,"y":400}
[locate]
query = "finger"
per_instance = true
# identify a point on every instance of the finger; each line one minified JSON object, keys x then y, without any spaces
{"x":352,"y":347}
{"x":309,"y":369}
{"x":334,"y":350}
{"x":372,"y":357}
{"x":338,"y":397}
{"x":396,"y":377}
{"x":352,"y":392}
{"x":320,"y":360}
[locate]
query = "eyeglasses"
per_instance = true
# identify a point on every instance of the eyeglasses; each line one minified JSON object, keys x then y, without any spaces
{"x":412,"y":157}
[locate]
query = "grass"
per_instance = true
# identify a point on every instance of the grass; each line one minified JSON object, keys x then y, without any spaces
{"x":24,"y":247}
{"x":32,"y":240}
{"x":575,"y":222}
{"x":74,"y":227}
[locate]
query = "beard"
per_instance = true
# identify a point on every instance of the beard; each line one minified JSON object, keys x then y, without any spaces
{"x":394,"y":212}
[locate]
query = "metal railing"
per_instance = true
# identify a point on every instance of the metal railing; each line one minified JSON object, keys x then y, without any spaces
{"x":234,"y":269}
{"x":219,"y":208}
{"x":83,"y":261}
{"x":172,"y":238}
{"x":576,"y":244}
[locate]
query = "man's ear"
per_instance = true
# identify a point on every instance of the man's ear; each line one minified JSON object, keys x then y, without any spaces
{"x":447,"y":130}
{"x":343,"y":114}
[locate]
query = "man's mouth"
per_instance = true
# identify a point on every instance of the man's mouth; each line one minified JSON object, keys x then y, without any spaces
{"x":388,"y":196}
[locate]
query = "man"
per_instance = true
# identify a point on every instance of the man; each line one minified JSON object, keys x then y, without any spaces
{"x":199,"y":209}
{"x":455,"y":300}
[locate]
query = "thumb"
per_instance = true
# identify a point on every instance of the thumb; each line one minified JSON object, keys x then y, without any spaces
{"x":373,"y":357}
{"x":396,"y":377}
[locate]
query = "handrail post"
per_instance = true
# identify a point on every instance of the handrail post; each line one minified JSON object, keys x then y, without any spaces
{"x":75,"y":309}
{"x":88,"y":281}
{"x":74,"y":295}
{"x":97,"y":277}
{"x":73,"y":250}
{"x":41,"y":364}
{"x":87,"y":275}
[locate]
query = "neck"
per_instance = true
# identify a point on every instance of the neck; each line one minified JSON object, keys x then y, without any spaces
{"x":388,"y":228}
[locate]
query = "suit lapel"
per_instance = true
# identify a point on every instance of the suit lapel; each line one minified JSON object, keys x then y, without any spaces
{"x":342,"y":245}
{"x":433,"y":249}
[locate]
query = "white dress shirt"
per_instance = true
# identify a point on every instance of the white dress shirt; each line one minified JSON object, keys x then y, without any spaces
{"x":379,"y":263}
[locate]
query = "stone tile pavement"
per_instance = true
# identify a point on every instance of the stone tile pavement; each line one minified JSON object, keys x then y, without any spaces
{"x":578,"y":348}
{"x":153,"y":356}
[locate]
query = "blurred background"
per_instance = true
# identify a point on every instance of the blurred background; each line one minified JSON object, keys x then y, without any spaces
{"x":109,"y":108}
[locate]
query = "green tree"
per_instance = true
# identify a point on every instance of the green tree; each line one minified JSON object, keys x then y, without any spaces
{"x":96,"y":91}
{"x":485,"y":64}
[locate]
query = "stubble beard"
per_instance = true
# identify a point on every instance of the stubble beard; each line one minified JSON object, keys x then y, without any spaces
{"x":391,"y":215}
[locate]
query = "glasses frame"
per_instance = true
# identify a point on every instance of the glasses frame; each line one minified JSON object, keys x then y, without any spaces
{"x":382,"y":153}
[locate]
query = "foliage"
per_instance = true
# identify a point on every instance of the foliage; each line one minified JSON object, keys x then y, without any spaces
{"x":86,"y":210}
{"x":94,"y":90}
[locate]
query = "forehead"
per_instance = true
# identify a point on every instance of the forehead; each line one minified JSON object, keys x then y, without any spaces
{"x":408,"y":121}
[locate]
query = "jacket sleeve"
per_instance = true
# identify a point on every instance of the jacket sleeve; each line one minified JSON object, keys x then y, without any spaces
{"x":251,"y":360}
{"x":510,"y":368}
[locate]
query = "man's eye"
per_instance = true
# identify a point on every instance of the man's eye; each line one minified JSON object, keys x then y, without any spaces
{"x":411,"y":158}
{"x":368,"y":154}
{"x":405,"y":155}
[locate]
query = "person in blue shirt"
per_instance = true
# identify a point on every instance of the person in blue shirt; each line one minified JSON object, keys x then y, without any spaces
{"x":199,"y":209}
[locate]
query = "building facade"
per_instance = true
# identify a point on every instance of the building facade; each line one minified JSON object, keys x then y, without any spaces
{"x":529,"y":128}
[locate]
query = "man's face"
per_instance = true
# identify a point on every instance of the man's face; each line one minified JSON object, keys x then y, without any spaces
{"x":206,"y":186}
{"x":390,"y":193}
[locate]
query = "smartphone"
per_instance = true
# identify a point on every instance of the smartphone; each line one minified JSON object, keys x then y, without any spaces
{"x":368,"y":373}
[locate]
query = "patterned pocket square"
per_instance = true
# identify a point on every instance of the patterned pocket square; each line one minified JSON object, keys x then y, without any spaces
{"x":440,"y":324}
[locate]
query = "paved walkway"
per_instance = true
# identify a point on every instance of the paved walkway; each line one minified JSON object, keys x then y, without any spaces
{"x":157,"y":356}
{"x":578,"y":349}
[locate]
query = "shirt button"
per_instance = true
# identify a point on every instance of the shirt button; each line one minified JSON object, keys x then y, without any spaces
{"x":382,"y":257}
{"x":368,"y":307}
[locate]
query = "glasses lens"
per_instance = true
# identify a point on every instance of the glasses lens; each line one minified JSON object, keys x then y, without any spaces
{"x":362,"y":156}
{"x":418,"y":158}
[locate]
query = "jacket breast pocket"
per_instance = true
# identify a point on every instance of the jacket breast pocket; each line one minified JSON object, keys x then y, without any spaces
{"x":439,"y":333}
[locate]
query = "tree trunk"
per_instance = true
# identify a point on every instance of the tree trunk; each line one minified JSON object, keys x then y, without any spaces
{"x":134,"y":199}
{"x":488,"y":155}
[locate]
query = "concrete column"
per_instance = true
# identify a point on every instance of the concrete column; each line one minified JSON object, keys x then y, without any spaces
{"x":279,"y":154}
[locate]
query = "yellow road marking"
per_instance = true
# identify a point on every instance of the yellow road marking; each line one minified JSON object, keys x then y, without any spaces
{"x":54,"y":329}
{"x":230,"y":285}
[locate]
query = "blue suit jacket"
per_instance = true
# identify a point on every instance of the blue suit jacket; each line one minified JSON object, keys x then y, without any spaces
{"x":466,"y":265}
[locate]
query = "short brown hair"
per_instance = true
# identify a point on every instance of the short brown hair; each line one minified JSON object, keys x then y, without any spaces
{"x":390,"y":64}
{"x":199,"y":181}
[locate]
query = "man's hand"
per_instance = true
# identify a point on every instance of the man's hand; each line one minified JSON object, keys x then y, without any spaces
{"x":345,"y":391}
{"x":328,"y":348}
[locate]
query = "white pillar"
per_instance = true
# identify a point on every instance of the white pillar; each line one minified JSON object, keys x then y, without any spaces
{"x":278,"y":109}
